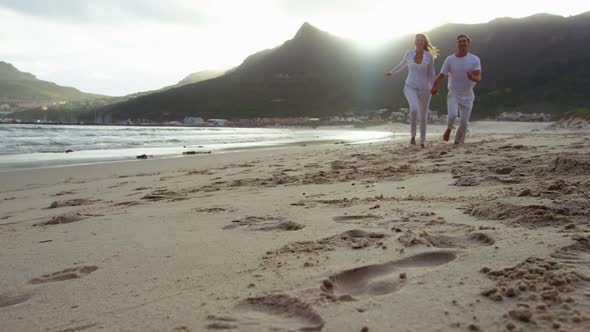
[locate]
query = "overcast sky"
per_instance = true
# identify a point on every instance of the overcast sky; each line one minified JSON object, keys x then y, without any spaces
{"x":116,"y":47}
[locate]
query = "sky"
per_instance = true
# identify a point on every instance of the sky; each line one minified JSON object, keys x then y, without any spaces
{"x":117,"y":47}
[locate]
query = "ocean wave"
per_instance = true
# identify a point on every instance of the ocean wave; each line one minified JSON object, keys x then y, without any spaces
{"x":31,"y":139}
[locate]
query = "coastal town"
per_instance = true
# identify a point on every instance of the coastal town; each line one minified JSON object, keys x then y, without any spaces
{"x":363,"y":119}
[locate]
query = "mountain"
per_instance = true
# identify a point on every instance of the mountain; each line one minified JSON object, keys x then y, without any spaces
{"x":190,"y":79}
{"x":76,"y":110}
{"x":537,"y":63}
{"x":200,"y":76}
{"x":312,"y":73}
{"x":21,"y":88}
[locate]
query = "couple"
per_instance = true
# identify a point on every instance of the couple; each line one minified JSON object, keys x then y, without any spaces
{"x":464,"y":71}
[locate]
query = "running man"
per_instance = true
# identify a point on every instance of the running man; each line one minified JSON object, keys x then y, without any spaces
{"x":464,"y":70}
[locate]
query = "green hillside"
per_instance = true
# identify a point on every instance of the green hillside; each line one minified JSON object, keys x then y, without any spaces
{"x":18,"y":87}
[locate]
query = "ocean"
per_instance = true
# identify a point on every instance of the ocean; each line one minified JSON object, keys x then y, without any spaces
{"x":31,"y":145}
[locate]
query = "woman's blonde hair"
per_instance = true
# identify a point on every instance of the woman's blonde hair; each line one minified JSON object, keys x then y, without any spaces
{"x":428,"y":45}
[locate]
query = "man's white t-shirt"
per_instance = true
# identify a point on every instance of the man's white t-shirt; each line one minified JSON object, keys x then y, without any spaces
{"x":456,"y":68}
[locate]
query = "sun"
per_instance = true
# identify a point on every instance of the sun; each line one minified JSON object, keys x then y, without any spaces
{"x":372,"y":31}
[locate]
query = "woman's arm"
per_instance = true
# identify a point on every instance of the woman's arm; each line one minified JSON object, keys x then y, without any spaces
{"x":431,"y":72}
{"x":403,"y":64}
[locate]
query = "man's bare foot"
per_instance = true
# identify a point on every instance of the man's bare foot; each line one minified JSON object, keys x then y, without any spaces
{"x":422,"y":145}
{"x":447,"y":134}
{"x":413,"y":140}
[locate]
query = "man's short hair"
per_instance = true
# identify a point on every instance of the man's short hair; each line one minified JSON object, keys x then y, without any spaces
{"x":465,"y":36}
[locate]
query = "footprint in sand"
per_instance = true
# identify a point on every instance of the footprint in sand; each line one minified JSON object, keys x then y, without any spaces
{"x":63,"y":219}
{"x":264,"y":224}
{"x":355,"y":239}
{"x":65,"y":192}
{"x":382,"y":279}
{"x":79,"y":328}
{"x":355,"y":219}
{"x":7,"y":300}
{"x":469,"y":240}
{"x":221,"y":323}
{"x":67,"y":274}
{"x":72,"y":202}
{"x":281,"y":226}
{"x":210,"y":210}
{"x":164,"y":194}
{"x":120,"y":184}
{"x":524,"y":212}
{"x":576,"y":256}
{"x":475,"y":239}
{"x":128,"y":203}
{"x":274,"y":312}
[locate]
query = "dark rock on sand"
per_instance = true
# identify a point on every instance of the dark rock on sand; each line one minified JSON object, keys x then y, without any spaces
{"x":196,"y":152}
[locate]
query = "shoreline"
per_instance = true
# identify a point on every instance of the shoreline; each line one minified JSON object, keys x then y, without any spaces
{"x":164,"y":125}
{"x":64,"y":146}
{"x":11,"y":162}
{"x":182,"y":152}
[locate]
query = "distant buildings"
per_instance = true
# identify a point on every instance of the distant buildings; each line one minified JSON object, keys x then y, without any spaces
{"x":217,"y":122}
{"x":193,"y":121}
{"x":173,"y":123}
{"x":198,"y":121}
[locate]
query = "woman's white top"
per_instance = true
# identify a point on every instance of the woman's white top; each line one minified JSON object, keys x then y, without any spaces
{"x":420,"y":75}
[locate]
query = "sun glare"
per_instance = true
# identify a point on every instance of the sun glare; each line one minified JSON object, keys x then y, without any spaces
{"x":376,"y":28}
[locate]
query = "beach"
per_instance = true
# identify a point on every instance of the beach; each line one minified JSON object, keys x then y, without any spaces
{"x":492,"y":235}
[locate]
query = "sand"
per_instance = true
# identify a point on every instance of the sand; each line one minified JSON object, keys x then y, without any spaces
{"x":493,"y":235}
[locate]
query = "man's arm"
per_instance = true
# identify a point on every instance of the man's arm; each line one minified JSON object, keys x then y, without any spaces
{"x":444,"y":70}
{"x":437,"y":81}
{"x":474,"y":76}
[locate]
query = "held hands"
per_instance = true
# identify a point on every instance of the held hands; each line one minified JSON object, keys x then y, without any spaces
{"x":388,"y":74}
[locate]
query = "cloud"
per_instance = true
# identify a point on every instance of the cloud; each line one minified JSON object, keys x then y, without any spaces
{"x":172,"y":11}
{"x":334,"y":7}
{"x":130,"y":55}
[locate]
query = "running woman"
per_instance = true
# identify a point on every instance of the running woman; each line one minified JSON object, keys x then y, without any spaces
{"x":420,"y":63}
